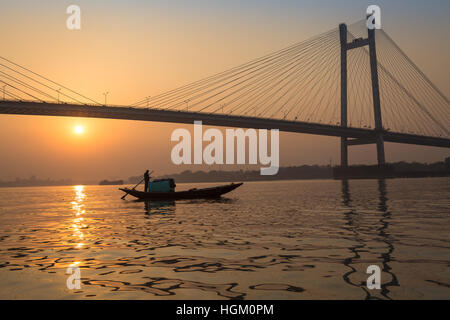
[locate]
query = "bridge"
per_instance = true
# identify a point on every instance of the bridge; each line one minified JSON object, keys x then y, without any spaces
{"x":349,"y":82}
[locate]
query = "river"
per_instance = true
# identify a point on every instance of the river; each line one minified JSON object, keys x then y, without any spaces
{"x":310,"y":239}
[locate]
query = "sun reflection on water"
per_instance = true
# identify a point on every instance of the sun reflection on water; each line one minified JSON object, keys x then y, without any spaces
{"x":78,"y":207}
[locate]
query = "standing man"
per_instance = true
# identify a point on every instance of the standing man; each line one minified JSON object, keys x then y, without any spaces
{"x":147,"y":180}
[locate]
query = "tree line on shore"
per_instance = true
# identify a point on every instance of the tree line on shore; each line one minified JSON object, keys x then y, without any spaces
{"x":285,"y":173}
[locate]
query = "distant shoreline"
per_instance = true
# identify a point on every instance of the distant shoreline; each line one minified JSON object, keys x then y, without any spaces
{"x":304,"y":172}
{"x":222,"y":181}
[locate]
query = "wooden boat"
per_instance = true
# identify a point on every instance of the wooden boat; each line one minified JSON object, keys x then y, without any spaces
{"x":205,"y":193}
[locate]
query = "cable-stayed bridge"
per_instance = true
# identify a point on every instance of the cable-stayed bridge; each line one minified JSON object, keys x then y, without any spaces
{"x":349,"y":82}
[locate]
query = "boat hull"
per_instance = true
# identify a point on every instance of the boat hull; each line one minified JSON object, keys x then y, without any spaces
{"x":205,"y":193}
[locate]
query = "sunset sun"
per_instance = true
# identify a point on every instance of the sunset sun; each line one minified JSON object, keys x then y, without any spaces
{"x":79,"y":129}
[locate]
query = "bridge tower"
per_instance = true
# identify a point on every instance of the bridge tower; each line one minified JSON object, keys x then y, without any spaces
{"x":378,"y":132}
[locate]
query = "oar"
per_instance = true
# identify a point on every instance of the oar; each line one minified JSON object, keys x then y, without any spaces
{"x":123,"y":197}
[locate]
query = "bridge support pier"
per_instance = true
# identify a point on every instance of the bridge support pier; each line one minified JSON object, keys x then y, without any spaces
{"x":344,"y":152}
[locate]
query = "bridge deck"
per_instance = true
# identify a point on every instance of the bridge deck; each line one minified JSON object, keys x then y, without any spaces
{"x":159,"y":115}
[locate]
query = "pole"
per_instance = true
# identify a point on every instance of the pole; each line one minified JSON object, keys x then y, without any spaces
{"x":105,"y":94}
{"x":123,"y":197}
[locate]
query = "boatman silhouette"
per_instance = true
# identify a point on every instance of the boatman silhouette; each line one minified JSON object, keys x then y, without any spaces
{"x":147,"y":180}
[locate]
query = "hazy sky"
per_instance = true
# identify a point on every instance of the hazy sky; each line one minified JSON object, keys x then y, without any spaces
{"x":134,"y":49}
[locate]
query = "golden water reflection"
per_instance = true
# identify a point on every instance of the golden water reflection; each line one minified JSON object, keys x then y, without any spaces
{"x":78,"y":221}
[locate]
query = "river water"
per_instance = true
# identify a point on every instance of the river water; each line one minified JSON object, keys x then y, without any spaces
{"x":266,"y":240}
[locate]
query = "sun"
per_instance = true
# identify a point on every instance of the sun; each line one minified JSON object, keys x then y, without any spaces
{"x":79,"y":129}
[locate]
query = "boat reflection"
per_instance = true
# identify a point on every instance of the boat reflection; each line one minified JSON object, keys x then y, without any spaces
{"x":168,"y":206}
{"x":363,"y":238}
{"x":159,"y":207}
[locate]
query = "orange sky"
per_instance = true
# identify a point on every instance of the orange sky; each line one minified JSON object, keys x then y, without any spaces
{"x":136,"y":49}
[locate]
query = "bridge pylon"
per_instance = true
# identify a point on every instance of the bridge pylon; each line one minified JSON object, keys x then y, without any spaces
{"x":378,"y":132}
